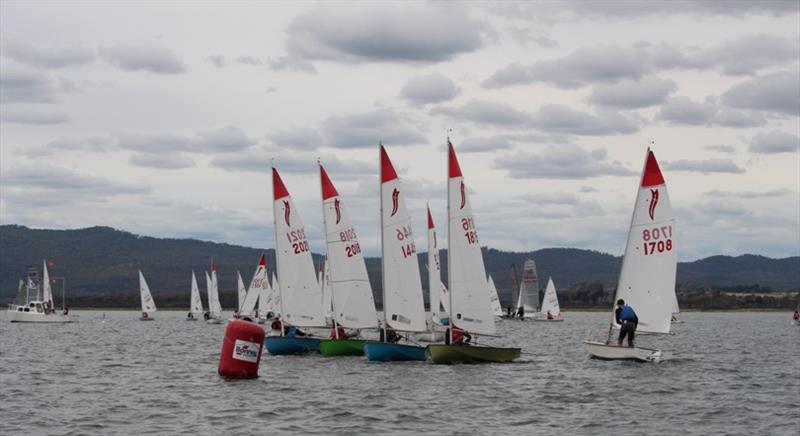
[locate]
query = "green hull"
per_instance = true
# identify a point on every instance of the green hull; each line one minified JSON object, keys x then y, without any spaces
{"x":341,"y":347}
{"x":446,"y":354}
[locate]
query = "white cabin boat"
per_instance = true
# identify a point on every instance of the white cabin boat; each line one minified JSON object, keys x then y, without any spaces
{"x":31,"y":306}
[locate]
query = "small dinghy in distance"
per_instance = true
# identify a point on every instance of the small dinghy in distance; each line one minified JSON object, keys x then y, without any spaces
{"x":300,"y":293}
{"x":350,"y":291}
{"x":551,"y":311}
{"x":195,"y":304}
{"x":148,"y":305}
{"x":470,"y":308}
{"x":647,"y":277}
{"x":214,"y":306}
{"x":403,"y":305}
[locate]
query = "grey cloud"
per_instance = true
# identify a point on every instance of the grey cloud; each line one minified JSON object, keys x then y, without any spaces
{"x":721,"y":148}
{"x":393,"y":32}
{"x":480,"y":144}
{"x":55,"y":178}
{"x":682,"y":110}
{"x":704,"y":166}
{"x":32,"y":115}
{"x":775,"y":142}
{"x":45,"y":56}
{"x":633,"y":94}
{"x":486,"y":112}
{"x":222,"y":140}
{"x":162,"y":161}
{"x":291,"y":63}
{"x":588,"y":189}
{"x":366,"y":129}
{"x":19,"y":83}
{"x":550,"y":198}
{"x":563,"y":162}
{"x":153,"y":58}
{"x":777,"y":92}
{"x":512,"y":74}
{"x":218,"y":60}
{"x":525,"y":35}
{"x":250,"y":60}
{"x":562,"y":119}
{"x":742,"y":56}
{"x":739,"y":118}
{"x":298,"y":138}
{"x":432,"y":88}
{"x":749,"y":194}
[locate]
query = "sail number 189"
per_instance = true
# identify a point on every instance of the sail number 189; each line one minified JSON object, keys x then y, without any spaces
{"x":468,"y":224}
{"x":657,"y":240}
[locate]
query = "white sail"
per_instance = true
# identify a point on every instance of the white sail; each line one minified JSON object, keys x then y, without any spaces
{"x":265,"y":293}
{"x":301,"y":296}
{"x":550,"y":300}
{"x":196,"y":305}
{"x":470,"y":307}
{"x":327,"y":294}
{"x":47,"y":290}
{"x":403,"y":305}
{"x":647,"y":277}
{"x":148,"y":305}
{"x":275,"y":302}
{"x":351,"y":293}
{"x":529,"y":289}
{"x":258,"y":286}
{"x":214,"y":306}
{"x":437,"y":291}
{"x":494,"y":298}
{"x":676,"y":309}
{"x":241,"y":291}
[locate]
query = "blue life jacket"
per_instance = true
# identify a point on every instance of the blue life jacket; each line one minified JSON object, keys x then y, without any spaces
{"x":291,"y":332}
{"x":627,"y":314}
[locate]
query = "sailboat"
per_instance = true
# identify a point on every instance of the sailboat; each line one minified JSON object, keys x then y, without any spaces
{"x":241,"y":294}
{"x":300,"y":294}
{"x":528,"y":299}
{"x":470,"y":308}
{"x":437,"y":292}
{"x":403,"y":305}
{"x":494,"y":298}
{"x":550,"y":304}
{"x":351,"y":293}
{"x":214,"y":306}
{"x":263,"y":312}
{"x":148,"y":305}
{"x":258,"y":287}
{"x":647,"y":277}
{"x":195,"y":304}
{"x":676,"y":309}
{"x":29,"y":306}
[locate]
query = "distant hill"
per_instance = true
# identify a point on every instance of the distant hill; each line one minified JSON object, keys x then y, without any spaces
{"x":102,"y":260}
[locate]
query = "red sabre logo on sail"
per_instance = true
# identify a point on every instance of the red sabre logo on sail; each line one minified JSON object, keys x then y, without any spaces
{"x":286,"y":212}
{"x":395,"y":197}
{"x":463,"y":196}
{"x":338,"y":211}
{"x":653,"y":203}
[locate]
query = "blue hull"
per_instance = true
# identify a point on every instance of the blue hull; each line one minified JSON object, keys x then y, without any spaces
{"x":383,"y":352}
{"x":281,"y":345}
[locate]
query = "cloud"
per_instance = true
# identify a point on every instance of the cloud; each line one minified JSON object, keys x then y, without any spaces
{"x":260,"y":160}
{"x":721,"y":148}
{"x":633,"y":94}
{"x":562,"y":162}
{"x":55,"y":178}
{"x":431,"y":88}
{"x":775,"y":142}
{"x":298,"y":138}
{"x":777,"y":92}
{"x":486,"y":112}
{"x":222,"y":140}
{"x":32,"y":115}
{"x":152,"y":58}
{"x":749,"y":194}
{"x":162,"y":161}
{"x":291,"y":63}
{"x":555,"y":118}
{"x":385,"y":32}
{"x":476,"y":144}
{"x":682,"y":110}
{"x":45,"y":56}
{"x":549,"y":198}
{"x":739,"y":118}
{"x":19,"y":83}
{"x":250,"y":60}
{"x":524,"y":35}
{"x":366,"y":129}
{"x":704,"y":166}
{"x":218,"y":60}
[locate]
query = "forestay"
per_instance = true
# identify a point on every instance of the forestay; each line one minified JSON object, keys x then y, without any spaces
{"x":351,"y":293}
{"x":647,"y":277}
{"x":148,"y":305}
{"x":470,"y":307}
{"x":301,"y":295}
{"x":404,"y":308}
{"x":550,"y":300}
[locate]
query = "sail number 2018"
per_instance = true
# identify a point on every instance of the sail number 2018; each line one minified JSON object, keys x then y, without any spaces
{"x":657,"y":240}
{"x":468,"y":224}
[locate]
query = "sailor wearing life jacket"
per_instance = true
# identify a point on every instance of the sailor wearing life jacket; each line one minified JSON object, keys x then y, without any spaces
{"x":627,"y":319}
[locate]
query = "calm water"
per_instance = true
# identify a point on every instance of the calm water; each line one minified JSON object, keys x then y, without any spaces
{"x":734,"y":373}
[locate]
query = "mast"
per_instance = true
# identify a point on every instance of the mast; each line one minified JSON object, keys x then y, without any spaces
{"x":451,"y":317}
{"x":277,"y":255}
{"x":383,"y":255}
{"x":325,"y":236}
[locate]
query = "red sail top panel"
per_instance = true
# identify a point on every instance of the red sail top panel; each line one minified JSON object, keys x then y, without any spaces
{"x":430,"y":219}
{"x":263,"y":260}
{"x":455,"y":169}
{"x":328,"y":190}
{"x":387,"y":169}
{"x":652,"y":173}
{"x":279,"y":189}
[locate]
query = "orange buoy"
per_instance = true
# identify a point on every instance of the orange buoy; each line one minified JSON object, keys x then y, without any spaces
{"x":241,"y":350}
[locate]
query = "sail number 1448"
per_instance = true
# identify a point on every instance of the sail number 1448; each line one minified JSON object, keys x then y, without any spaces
{"x":657,"y":240}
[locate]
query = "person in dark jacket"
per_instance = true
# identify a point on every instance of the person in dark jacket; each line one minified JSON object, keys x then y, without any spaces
{"x":627,"y":319}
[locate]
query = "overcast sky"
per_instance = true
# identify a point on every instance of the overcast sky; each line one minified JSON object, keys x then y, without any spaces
{"x":162,"y":118}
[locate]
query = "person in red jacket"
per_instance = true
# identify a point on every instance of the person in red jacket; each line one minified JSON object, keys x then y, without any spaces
{"x":337,"y":332}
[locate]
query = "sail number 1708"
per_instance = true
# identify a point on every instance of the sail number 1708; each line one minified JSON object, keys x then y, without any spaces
{"x":657,"y":240}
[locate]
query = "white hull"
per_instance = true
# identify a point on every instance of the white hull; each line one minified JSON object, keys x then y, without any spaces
{"x":601,"y":350}
{"x":16,"y":316}
{"x":214,"y":321}
{"x":429,"y":337}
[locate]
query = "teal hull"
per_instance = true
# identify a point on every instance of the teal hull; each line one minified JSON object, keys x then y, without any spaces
{"x":341,"y":347}
{"x":384,"y":352}
{"x":283,"y":345}
{"x":447,"y":354}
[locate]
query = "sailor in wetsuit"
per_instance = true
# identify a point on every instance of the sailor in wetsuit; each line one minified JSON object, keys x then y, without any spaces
{"x":627,"y":319}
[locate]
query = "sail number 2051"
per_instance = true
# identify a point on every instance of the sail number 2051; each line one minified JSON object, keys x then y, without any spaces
{"x":657,"y":240}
